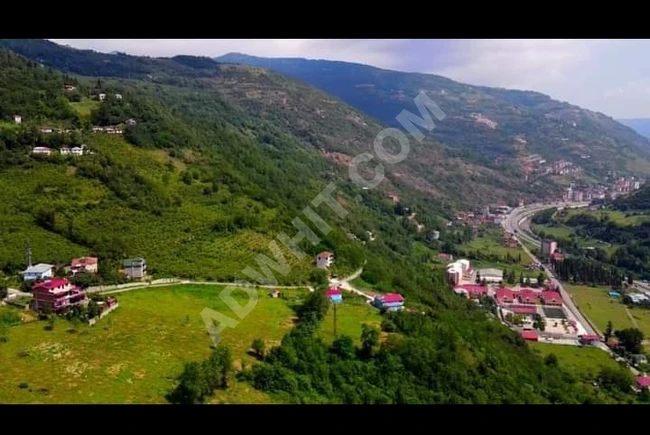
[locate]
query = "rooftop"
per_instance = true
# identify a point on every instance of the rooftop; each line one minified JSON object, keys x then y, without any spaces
{"x":326,"y":254}
{"x":530,"y":335}
{"x":333,"y":292}
{"x":39,"y":268}
{"x":391,"y":297}
{"x":643,"y":381}
{"x":133,"y":262}
{"x":82,"y":261}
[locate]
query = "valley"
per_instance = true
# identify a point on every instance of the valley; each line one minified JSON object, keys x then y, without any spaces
{"x":199,"y":169}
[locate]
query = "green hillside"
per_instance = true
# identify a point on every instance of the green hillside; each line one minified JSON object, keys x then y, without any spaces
{"x":482,"y":123}
{"x":205,"y":178}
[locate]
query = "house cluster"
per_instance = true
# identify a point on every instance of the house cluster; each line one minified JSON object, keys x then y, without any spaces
{"x":536,"y":164}
{"x":52,"y":130}
{"x":626,"y":184}
{"x":108,"y":129}
{"x":102,"y":96}
{"x":69,"y":88}
{"x":64,"y":151}
{"x":461,"y":271}
{"x":43,"y":271}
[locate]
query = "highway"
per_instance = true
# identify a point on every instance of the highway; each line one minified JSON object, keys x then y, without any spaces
{"x":517,"y":223}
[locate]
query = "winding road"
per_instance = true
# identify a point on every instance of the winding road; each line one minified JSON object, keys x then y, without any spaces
{"x":518,"y":224}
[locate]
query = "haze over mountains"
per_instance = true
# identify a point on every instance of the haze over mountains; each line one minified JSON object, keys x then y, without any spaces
{"x":640,"y":125}
{"x":482,"y":121}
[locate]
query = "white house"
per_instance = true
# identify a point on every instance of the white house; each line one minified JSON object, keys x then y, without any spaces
{"x":77,"y":151}
{"x":102,"y":97}
{"x":118,"y":96}
{"x":490,"y":275}
{"x":39,"y":271}
{"x":84,"y":264}
{"x":18,"y":119}
{"x":47,"y":130}
{"x":459,"y":270}
{"x":65,"y":151}
{"x":135,"y":268}
{"x":130,"y":121}
{"x":324,"y":259}
{"x":42,"y":151}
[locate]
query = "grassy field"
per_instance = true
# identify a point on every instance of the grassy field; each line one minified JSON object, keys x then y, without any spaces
{"x":599,"y":307}
{"x":616,"y":216}
{"x":85,"y":106}
{"x":563,"y":232}
{"x":186,"y":232}
{"x":585,"y":362}
{"x":351,"y":314}
{"x":490,"y":244}
{"x":134,"y":354}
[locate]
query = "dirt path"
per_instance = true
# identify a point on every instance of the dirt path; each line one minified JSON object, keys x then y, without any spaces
{"x":636,"y":325}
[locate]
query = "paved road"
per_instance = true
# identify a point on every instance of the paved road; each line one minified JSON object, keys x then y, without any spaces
{"x":512,"y":224}
{"x":344,"y":283}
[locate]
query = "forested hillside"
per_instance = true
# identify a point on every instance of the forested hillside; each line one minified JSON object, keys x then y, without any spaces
{"x":482,"y":123}
{"x":200,"y":184}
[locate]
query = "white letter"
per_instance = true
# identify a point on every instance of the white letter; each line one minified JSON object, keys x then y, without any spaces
{"x":358,"y":179}
{"x":208,"y":315}
{"x":326,"y":196}
{"x":407,"y":119}
{"x":281,"y":266}
{"x":403,"y":143}
{"x":233,"y":304}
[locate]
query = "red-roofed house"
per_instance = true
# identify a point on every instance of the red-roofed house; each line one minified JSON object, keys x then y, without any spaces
{"x":504,"y":296}
{"x":527,"y":296}
{"x":390,"y":301}
{"x":530,"y":334}
{"x":551,"y":298}
{"x":525,"y":310}
{"x":84,"y":264}
{"x":57,"y":295}
{"x":557,"y":256}
{"x":589,"y":339}
{"x":643,"y":382}
{"x":471,"y":290}
{"x":335,"y":295}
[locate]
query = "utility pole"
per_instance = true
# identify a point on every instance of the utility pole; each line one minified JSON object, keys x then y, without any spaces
{"x":335,"y":319}
{"x":29,"y":254}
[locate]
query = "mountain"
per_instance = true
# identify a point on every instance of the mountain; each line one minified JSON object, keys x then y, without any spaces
{"x":318,"y":120}
{"x":213,"y":163}
{"x":640,"y":125}
{"x":491,"y":122}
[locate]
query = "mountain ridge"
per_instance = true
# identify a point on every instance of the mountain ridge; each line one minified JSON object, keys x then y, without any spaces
{"x":481,"y":119}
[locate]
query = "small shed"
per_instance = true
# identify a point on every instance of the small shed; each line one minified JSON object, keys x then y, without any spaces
{"x":335,"y":295}
{"x":530,"y":335}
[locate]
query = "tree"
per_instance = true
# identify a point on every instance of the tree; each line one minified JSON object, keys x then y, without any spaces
{"x":258,"y":347}
{"x":93,"y":309}
{"x":192,"y":387}
{"x":615,"y":379}
{"x":319,"y":277}
{"x":609,"y":330}
{"x":630,"y":278}
{"x":631,"y":339}
{"x":478,"y":277}
{"x":4,"y":333}
{"x":217,"y":368}
{"x":3,"y":291}
{"x":343,"y":347}
{"x":315,"y":305}
{"x":540,"y":279}
{"x":551,"y":360}
{"x":521,"y":278}
{"x":369,"y":340}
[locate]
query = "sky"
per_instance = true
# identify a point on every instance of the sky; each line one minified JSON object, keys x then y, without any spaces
{"x":608,"y":76}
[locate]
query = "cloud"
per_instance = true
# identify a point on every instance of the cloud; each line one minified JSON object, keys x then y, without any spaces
{"x":602,"y":75}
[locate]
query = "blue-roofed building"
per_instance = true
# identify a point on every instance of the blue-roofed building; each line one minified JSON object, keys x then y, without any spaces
{"x":614,"y":294}
{"x":335,"y":295}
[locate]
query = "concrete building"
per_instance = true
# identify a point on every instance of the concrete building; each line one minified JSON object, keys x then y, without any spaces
{"x":490,"y":275}
{"x":324,"y":259}
{"x":135,"y":268}
{"x":38,"y":271}
{"x":548,"y":247}
{"x":18,"y":119}
{"x":459,"y":270}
